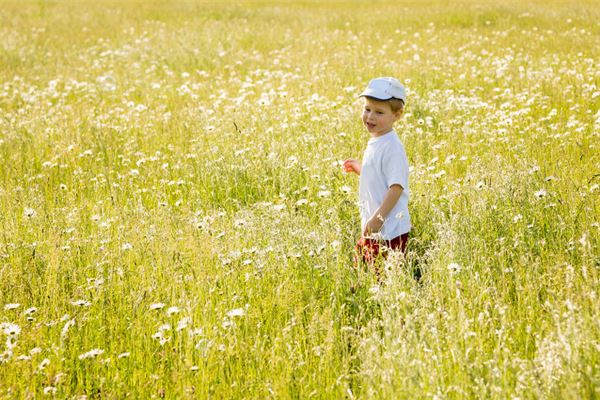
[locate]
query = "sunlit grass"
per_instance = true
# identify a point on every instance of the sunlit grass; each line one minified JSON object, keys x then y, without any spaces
{"x":174,"y":220}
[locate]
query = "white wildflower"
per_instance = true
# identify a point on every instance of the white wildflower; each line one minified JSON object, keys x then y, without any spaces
{"x":374,"y":289}
{"x":50,"y":390}
{"x":66,"y":327}
{"x":6,"y":356}
{"x":173,"y":310}
{"x":183,"y":323}
{"x":196,"y":332}
{"x":317,"y":351}
{"x":439,"y":174}
{"x":203,"y":344}
{"x":107,"y":83}
{"x":454,"y":268}
{"x":91,"y":354}
{"x":301,"y":202}
{"x":157,"y":306}
{"x":227,"y":323}
{"x":583,"y":240}
{"x":45,"y":362}
{"x":158,"y":335}
{"x":81,"y":303}
{"x":30,"y":311}
{"x":10,"y":329}
{"x":236,"y":312}
{"x":11,"y":342}
{"x":279,"y":207}
{"x":12,"y":306}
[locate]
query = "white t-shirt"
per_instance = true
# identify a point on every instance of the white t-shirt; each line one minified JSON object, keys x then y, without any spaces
{"x":384,"y":164}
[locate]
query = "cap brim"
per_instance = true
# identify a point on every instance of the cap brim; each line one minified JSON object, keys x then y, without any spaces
{"x":375,"y":94}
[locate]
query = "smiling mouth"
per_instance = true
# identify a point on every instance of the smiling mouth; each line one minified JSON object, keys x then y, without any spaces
{"x":370,"y":125}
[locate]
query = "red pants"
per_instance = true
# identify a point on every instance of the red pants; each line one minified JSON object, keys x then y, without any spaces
{"x":369,"y":250}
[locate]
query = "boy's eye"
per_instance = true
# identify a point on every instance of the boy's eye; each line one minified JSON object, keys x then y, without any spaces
{"x":379,"y":112}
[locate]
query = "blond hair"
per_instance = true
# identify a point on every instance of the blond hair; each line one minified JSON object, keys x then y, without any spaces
{"x":396,"y":105}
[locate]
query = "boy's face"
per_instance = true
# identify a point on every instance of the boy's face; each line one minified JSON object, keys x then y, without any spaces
{"x":378,"y":117}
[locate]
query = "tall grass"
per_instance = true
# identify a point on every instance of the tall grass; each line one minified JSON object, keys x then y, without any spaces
{"x":174,"y":221}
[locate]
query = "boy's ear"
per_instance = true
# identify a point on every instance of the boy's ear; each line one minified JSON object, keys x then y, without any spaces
{"x":399,"y":114}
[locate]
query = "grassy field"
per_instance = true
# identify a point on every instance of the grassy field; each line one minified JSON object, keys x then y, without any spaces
{"x":175,"y":222}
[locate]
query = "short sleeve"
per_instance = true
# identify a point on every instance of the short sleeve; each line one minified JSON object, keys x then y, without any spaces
{"x":395,"y":166}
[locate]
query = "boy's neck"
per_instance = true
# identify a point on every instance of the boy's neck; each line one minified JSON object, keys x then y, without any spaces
{"x":381,"y":134}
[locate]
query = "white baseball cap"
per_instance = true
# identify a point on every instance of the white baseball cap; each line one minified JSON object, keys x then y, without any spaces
{"x":385,"y":89}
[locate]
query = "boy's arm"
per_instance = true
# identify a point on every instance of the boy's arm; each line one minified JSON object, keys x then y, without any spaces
{"x":389,"y":201}
{"x":351,"y":165}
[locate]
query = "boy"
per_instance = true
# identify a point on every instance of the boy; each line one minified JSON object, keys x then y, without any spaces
{"x":383,"y":188}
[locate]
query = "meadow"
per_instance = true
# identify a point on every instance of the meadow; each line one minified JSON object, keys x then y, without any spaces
{"x":175,"y":222}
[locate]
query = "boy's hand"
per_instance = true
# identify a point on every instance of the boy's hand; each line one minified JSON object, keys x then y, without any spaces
{"x":373,"y":225}
{"x":351,"y":165}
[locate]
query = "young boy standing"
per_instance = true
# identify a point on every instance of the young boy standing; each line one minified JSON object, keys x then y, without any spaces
{"x":383,"y":189}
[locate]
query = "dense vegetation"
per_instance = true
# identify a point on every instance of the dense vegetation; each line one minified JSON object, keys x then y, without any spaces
{"x":175,"y":222}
